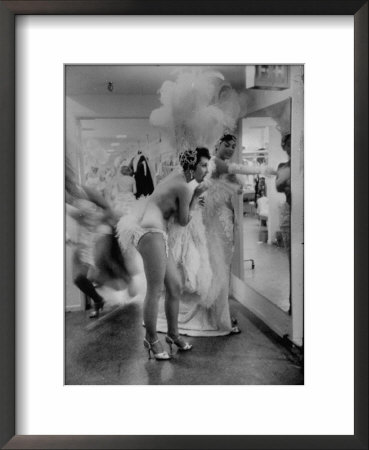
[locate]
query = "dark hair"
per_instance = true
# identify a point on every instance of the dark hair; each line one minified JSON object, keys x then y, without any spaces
{"x":125,"y":169}
{"x":228,"y":138}
{"x":285,"y":138}
{"x":202,"y":152}
{"x":190,"y":158}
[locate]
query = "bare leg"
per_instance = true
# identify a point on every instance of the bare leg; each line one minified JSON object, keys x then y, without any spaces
{"x":173,"y":291}
{"x":152,"y":250}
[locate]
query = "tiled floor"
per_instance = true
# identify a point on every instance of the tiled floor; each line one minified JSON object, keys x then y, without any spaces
{"x":111,"y":352}
{"x":271,"y":276}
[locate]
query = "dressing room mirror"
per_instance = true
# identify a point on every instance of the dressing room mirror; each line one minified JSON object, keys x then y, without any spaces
{"x":266,"y":140}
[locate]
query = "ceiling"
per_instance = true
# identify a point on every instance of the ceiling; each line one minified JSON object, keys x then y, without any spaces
{"x":115,"y":134}
{"x":136,"y":79}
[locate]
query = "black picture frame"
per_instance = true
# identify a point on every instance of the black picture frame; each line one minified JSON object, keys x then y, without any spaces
{"x":8,"y":281}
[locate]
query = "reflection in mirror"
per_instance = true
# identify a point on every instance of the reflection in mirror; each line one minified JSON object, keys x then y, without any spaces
{"x":266,"y":140}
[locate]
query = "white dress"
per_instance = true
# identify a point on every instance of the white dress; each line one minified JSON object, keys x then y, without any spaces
{"x":203,"y":252}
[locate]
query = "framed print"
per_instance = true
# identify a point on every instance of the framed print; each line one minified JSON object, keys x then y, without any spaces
{"x":92,"y":95}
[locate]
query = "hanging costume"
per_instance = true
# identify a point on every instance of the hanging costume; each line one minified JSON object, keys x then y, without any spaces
{"x":142,"y":174}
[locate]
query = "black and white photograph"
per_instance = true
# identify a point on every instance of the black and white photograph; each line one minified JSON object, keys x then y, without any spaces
{"x":165,"y":234}
{"x":184,"y":224}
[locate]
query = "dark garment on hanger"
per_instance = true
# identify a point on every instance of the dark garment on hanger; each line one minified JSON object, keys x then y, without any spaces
{"x":144,"y":183}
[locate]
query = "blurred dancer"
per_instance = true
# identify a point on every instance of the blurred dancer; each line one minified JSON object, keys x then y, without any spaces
{"x":97,"y":221}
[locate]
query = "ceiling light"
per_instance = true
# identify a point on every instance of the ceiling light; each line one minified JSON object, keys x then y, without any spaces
{"x":121,"y":136}
{"x":115,"y":144}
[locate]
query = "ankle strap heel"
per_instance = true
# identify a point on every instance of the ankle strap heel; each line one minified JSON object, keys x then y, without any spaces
{"x":179,"y":342}
{"x":159,"y":356}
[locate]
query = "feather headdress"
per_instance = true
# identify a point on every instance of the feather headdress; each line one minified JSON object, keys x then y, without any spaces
{"x":196,"y":109}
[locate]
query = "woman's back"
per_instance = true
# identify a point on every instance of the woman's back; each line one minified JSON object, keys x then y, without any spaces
{"x":165,"y":201}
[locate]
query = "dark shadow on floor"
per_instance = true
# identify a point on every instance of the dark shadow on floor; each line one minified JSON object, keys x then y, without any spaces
{"x":112,"y":353}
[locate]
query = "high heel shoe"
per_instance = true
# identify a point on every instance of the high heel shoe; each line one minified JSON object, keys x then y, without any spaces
{"x":97,"y":308}
{"x":182,"y":345}
{"x":161,"y":356}
{"x":235,"y":329}
{"x":234,"y":321}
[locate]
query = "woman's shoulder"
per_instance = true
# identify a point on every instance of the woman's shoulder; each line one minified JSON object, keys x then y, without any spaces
{"x":176,"y":179}
{"x":172,"y":183}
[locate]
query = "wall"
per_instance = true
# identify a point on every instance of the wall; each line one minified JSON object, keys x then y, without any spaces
{"x":297,"y":217}
{"x":259,"y":99}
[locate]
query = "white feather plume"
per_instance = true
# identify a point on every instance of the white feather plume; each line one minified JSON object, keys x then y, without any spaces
{"x":196,"y":109}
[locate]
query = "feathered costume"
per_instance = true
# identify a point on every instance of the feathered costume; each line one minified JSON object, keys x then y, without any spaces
{"x":196,"y":109}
